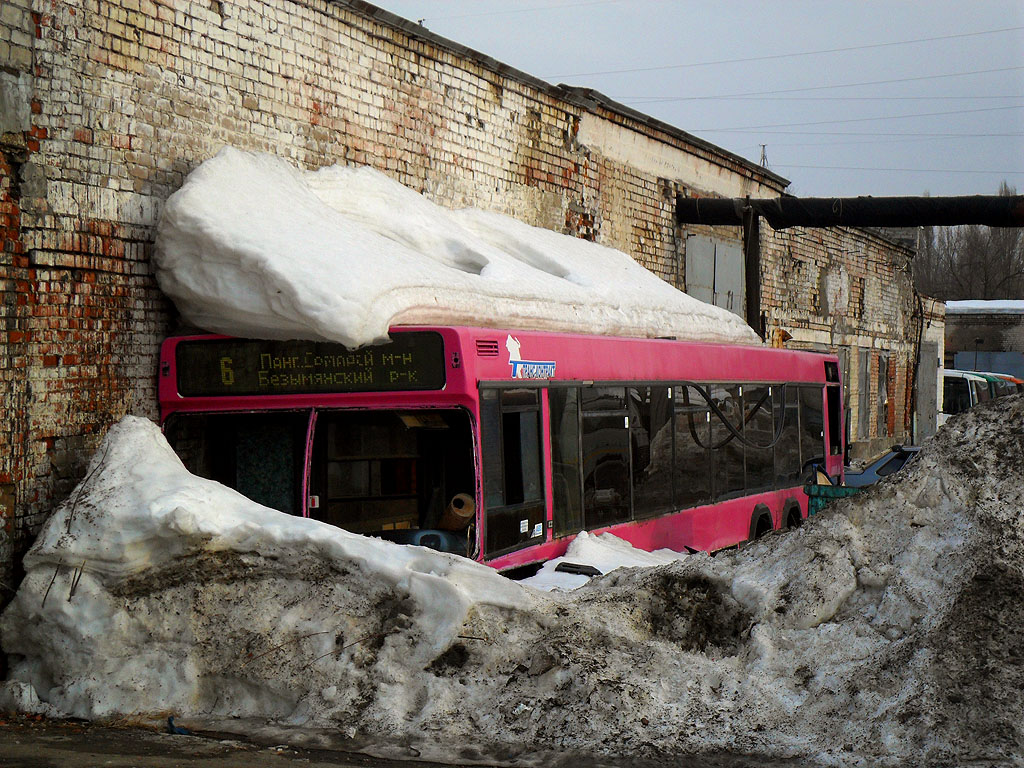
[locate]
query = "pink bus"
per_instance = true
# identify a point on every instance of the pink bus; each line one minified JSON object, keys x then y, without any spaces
{"x":502,"y":445}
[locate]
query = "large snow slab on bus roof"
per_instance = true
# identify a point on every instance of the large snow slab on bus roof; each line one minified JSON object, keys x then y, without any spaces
{"x":251,"y":246}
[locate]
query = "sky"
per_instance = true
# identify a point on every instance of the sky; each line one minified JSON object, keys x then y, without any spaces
{"x":841,"y":98}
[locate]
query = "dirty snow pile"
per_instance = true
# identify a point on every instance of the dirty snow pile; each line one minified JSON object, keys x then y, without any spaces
{"x":252,"y":246}
{"x":887,"y":631}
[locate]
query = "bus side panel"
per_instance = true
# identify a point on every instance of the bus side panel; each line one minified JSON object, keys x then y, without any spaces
{"x":707,"y":528}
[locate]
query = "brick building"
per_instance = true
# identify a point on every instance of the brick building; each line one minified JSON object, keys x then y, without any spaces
{"x":106,"y":105}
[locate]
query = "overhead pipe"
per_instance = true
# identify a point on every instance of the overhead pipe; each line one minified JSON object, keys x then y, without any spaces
{"x":782,"y":212}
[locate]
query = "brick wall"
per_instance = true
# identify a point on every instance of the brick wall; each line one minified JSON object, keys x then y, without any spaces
{"x":842,"y":288}
{"x":108,"y":104}
{"x":17,"y":289}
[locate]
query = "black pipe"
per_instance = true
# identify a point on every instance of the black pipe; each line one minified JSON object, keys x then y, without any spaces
{"x":782,"y":212}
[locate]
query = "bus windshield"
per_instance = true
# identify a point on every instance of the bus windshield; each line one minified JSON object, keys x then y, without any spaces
{"x":375,"y":472}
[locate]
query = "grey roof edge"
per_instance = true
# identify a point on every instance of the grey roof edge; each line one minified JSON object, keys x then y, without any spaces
{"x":587,"y":98}
{"x":984,"y":310}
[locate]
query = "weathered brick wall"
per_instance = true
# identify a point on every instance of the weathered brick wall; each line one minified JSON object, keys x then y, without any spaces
{"x":17,"y":290}
{"x":117,"y":100}
{"x":847,"y":288}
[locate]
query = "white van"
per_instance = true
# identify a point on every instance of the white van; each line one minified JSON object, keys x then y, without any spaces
{"x":961,"y":390}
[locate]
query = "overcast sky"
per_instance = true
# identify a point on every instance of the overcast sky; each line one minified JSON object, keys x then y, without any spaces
{"x":849,"y":98}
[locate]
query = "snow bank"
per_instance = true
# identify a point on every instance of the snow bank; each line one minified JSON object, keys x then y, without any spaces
{"x":251,"y":246}
{"x":886,"y":631}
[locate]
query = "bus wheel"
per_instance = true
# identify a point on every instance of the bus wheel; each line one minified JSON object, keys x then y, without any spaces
{"x":764,"y":526}
{"x":793,"y":519}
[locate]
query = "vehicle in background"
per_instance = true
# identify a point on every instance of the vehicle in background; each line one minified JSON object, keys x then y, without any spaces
{"x":999,"y":384}
{"x":888,"y":463}
{"x":962,"y":390}
{"x":503,"y":445}
{"x":1018,"y":383}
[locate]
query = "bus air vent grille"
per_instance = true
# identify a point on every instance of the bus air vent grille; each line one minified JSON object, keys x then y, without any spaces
{"x":486,"y":348}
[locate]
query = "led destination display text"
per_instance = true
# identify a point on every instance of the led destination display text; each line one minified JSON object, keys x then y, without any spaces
{"x":255,"y":367}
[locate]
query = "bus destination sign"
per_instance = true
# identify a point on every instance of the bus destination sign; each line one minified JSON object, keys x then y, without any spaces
{"x":219,"y":367}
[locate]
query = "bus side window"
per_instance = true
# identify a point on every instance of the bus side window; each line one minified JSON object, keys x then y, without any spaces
{"x":759,"y":431}
{"x":692,"y":485}
{"x":513,"y":481}
{"x":606,"y":456}
{"x":727,"y":454}
{"x":835,"y":442}
{"x":787,"y":449}
{"x":812,"y":428}
{"x":650,"y":411}
{"x":567,"y":479}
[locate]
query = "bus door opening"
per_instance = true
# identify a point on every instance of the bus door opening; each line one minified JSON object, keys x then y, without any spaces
{"x":406,"y":476}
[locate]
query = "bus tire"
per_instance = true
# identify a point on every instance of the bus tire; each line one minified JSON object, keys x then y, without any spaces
{"x":760,"y":522}
{"x":793,"y":517}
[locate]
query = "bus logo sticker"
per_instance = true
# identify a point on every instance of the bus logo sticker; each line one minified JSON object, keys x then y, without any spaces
{"x":527,"y":369}
{"x":538,"y":529}
{"x":524,"y":526}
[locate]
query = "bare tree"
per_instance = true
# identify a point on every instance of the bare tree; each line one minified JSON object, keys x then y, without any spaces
{"x":972,"y":262}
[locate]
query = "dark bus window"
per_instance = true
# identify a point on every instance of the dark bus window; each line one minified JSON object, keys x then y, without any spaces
{"x":650,"y":414}
{"x":260,"y":455}
{"x":566,"y":477}
{"x":380,"y":471}
{"x":606,"y":489}
{"x":956,"y":395}
{"x":759,"y":431}
{"x":513,"y":480}
{"x":835,"y":441}
{"x":727,"y":450}
{"x":787,"y":449}
{"x":692,"y":441}
{"x":595,"y":399}
{"x":812,"y":428}
{"x":490,"y":435}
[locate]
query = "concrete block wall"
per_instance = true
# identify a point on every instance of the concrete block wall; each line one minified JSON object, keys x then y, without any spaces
{"x":997,"y":331}
{"x":108,"y":104}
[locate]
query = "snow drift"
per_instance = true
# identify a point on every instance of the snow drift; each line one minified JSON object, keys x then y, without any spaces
{"x":887,"y":630}
{"x":251,"y":246}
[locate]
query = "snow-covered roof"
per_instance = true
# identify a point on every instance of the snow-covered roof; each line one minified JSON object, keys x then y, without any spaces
{"x":251,"y":246}
{"x":977,"y":307}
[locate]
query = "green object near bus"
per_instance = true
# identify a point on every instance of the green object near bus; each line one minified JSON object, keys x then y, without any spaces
{"x":818,"y":496}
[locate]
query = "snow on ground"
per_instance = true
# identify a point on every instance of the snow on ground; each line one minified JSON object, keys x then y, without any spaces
{"x":888,"y":630}
{"x":251,"y":246}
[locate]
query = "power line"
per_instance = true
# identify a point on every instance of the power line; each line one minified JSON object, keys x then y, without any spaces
{"x":654,"y":100}
{"x":913,"y":138}
{"x":868,"y":133}
{"x":860,"y":119}
{"x":943,"y":97}
{"x":516,"y":10}
{"x":789,"y":55}
{"x":901,"y":170}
